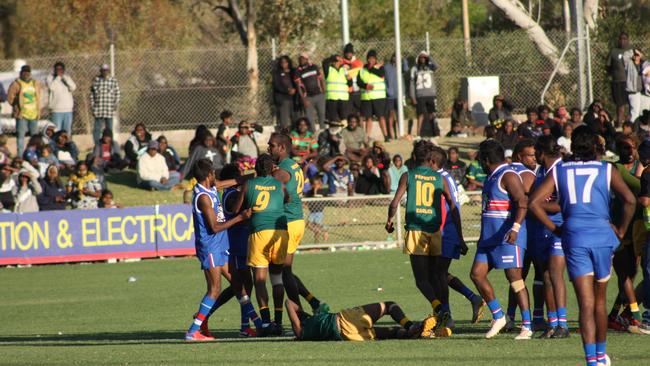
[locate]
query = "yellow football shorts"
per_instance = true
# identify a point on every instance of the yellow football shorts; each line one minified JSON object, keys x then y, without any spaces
{"x":356,"y":325}
{"x":296,"y":231}
{"x":267,"y":246}
{"x":423,"y":243}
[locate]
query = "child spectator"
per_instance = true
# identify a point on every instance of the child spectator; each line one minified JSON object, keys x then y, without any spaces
{"x":106,"y":154}
{"x":455,"y":166}
{"x":33,"y":149}
{"x":136,"y":145}
{"x":46,"y":159}
{"x":395,"y":172}
{"x":316,"y":214}
{"x":456,"y":130}
{"x":27,"y":191}
{"x":225,"y":130}
{"x":169,"y":153}
{"x":340,"y":180}
{"x":106,"y":200}
{"x":8,"y":186}
{"x":565,"y":140}
{"x":303,"y":143}
{"x":5,"y":154}
{"x":309,"y":170}
{"x":84,"y":188}
{"x":53,"y":193}
{"x":628,"y":128}
{"x":475,"y":174}
{"x":65,"y":151}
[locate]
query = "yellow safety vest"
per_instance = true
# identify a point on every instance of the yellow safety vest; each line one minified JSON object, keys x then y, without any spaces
{"x":28,"y":99}
{"x":337,"y":84}
{"x":379,"y":86}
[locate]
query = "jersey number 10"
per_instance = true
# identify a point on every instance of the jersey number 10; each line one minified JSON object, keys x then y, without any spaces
{"x":424,"y":193}
{"x":591,"y":174}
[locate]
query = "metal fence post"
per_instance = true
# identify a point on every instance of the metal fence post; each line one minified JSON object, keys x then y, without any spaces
{"x":426,"y":43}
{"x":273,"y":49}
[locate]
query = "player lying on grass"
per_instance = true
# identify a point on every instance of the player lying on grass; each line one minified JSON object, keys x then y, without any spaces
{"x":356,"y":324}
{"x":211,"y":241}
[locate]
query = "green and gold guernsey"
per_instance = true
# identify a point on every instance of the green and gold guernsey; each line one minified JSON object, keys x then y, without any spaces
{"x":424,"y":198}
{"x":266,"y":198}
{"x":321,"y":327}
{"x":294,"y":186}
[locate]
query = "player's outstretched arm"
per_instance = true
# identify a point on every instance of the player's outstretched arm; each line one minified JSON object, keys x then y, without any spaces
{"x":292,"y":311}
{"x":392,"y":209}
{"x":240,"y":199}
{"x":629,"y":201}
{"x":227,"y":183}
{"x":455,"y":215}
{"x":512,"y":184}
{"x":537,"y":200}
{"x":205,"y":205}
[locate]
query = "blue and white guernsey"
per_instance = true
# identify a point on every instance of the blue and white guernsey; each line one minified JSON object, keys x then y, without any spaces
{"x":205,"y":241}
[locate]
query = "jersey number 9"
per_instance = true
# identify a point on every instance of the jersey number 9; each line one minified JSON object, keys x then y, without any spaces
{"x":262,"y":201}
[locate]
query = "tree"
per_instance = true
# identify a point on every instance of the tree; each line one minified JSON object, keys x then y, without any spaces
{"x":515,"y":11}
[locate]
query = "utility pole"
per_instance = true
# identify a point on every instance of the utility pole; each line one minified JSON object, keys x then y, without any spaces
{"x":345,"y":25}
{"x":398,"y":66}
{"x":579,"y":23}
{"x":468,"y":46}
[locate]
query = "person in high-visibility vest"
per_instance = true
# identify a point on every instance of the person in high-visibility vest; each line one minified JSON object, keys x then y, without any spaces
{"x":337,"y":85}
{"x":373,"y":93}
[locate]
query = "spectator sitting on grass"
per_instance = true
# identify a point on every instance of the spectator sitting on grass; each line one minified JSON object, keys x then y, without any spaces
{"x":475,"y":174}
{"x":136,"y":145}
{"x":48,"y":133}
{"x":316,"y":215}
{"x":528,"y":129}
{"x":455,"y":166}
{"x":339,"y":179}
{"x":456,"y":130}
{"x":53,"y":191}
{"x":5,"y":154}
{"x":106,"y":154}
{"x":33,"y":149}
{"x":169,"y":153}
{"x":303,"y":143}
{"x":460,"y":113}
{"x":243,"y":141}
{"x":46,"y":159}
{"x":27,"y":191}
{"x":397,"y":168}
{"x":8,"y":186}
{"x":84,"y":188}
{"x":205,"y":150}
{"x":507,"y":135}
{"x":330,"y":141}
{"x":200,"y":133}
{"x":65,"y":151}
{"x":153,"y":173}
{"x":500,"y":112}
{"x":379,"y":155}
{"x":371,"y":180}
{"x":355,"y":139}
{"x":106,"y":200}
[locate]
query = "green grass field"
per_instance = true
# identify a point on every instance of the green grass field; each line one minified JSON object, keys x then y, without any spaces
{"x":91,"y":314}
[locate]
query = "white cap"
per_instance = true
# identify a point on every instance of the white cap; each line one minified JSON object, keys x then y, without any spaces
{"x":508,"y":153}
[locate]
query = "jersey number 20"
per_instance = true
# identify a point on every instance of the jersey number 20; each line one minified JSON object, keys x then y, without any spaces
{"x":300,"y":182}
{"x":591,"y":174}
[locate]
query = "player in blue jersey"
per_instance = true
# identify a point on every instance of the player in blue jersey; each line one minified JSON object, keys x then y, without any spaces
{"x":211,"y":241}
{"x":523,"y":162}
{"x":547,"y":254}
{"x":502,"y":243}
{"x":584,"y":188}
{"x":452,"y":246}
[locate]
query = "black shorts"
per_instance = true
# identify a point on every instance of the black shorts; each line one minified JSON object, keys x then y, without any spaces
{"x":619,"y":95}
{"x":336,"y":110}
{"x":391,"y":105}
{"x":425,"y":105}
{"x":375,"y":107}
{"x":355,"y":103}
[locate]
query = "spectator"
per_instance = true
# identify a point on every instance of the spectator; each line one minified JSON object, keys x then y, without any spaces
{"x":339,"y":179}
{"x":33,"y":149}
{"x":153,"y":173}
{"x":243,"y":142}
{"x":355,"y":170}
{"x":461,"y":114}
{"x":500,"y":112}
{"x":48,"y":133}
{"x":603,"y":127}
{"x":395,"y":172}
{"x":634,"y":83}
{"x":544,"y":117}
{"x":106,"y":154}
{"x":337,"y":80}
{"x":422,"y":90}
{"x":5,"y":154}
{"x":169,"y":153}
{"x":355,"y":139}
{"x":316,"y":215}
{"x":456,"y":130}
{"x":106,"y":200}
{"x":475,"y":174}
{"x":379,"y":155}
{"x":206,"y":150}
{"x":225,"y":130}
{"x":200,"y":133}
{"x":615,"y":67}
{"x":373,"y":94}
{"x":371,"y":181}
{"x":60,"y":100}
{"x":311,"y":86}
{"x":560,"y":117}
{"x":24,"y":96}
{"x":284,"y":90}
{"x":8,"y":187}
{"x":104,"y":99}
{"x":529,"y":129}
{"x":65,"y":151}
{"x":565,"y":140}
{"x":310,"y":169}
{"x":46,"y":159}
{"x":136,"y":145}
{"x":330,"y":141}
{"x":593,"y":112}
{"x":353,"y":66}
{"x":576,"y":117}
{"x":507,"y":135}
{"x":53,"y":193}
{"x":455,"y":166}
{"x":84,"y":188}
{"x":490,"y":132}
{"x":628,"y":129}
{"x":303,"y":143}
{"x":27,"y":191}
{"x":391,"y":92}
{"x":642,"y":125}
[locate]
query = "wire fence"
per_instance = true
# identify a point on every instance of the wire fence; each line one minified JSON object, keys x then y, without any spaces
{"x":358,"y":222}
{"x":179,"y":89}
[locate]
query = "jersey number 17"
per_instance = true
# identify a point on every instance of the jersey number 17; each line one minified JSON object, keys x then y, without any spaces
{"x":591,"y":174}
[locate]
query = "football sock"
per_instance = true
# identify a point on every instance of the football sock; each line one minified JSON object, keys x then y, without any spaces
{"x":313,"y":301}
{"x":538,"y":316}
{"x":460,"y":287}
{"x":561,"y":317}
{"x":248,"y":309}
{"x":634,"y":308}
{"x":525,"y":318}
{"x":590,"y":354}
{"x":278,"y":316}
{"x":512,"y":312}
{"x":435,"y":305}
{"x":495,"y":308}
{"x":223,"y":298}
{"x":265,"y":313}
{"x":552,"y":318}
{"x":202,"y":314}
{"x":406,"y":323}
{"x":600,"y":351}
{"x":398,"y":316}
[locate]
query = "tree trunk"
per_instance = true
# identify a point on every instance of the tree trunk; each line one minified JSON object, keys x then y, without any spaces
{"x":516,"y":12}
{"x":251,"y":60}
{"x":590,"y":10}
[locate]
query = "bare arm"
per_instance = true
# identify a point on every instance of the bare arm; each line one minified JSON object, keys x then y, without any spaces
{"x":629,"y":202}
{"x":392,"y":209}
{"x":227,"y":183}
{"x":281,"y":175}
{"x":455,"y":216}
{"x":514,"y":186}
{"x":528,"y":180}
{"x":237,"y":206}
{"x":292,"y":311}
{"x":205,"y":205}
{"x":537,"y":200}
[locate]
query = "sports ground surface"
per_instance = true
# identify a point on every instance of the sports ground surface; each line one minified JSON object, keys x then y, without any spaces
{"x":92,"y":314}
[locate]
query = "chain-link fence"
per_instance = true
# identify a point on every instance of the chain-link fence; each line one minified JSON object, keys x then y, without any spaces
{"x":178,"y":89}
{"x":358,"y":221}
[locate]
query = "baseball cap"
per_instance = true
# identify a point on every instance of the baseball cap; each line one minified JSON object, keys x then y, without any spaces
{"x":26,"y":68}
{"x":153,"y":144}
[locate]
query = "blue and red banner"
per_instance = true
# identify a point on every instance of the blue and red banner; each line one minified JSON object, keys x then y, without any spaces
{"x":88,"y":235}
